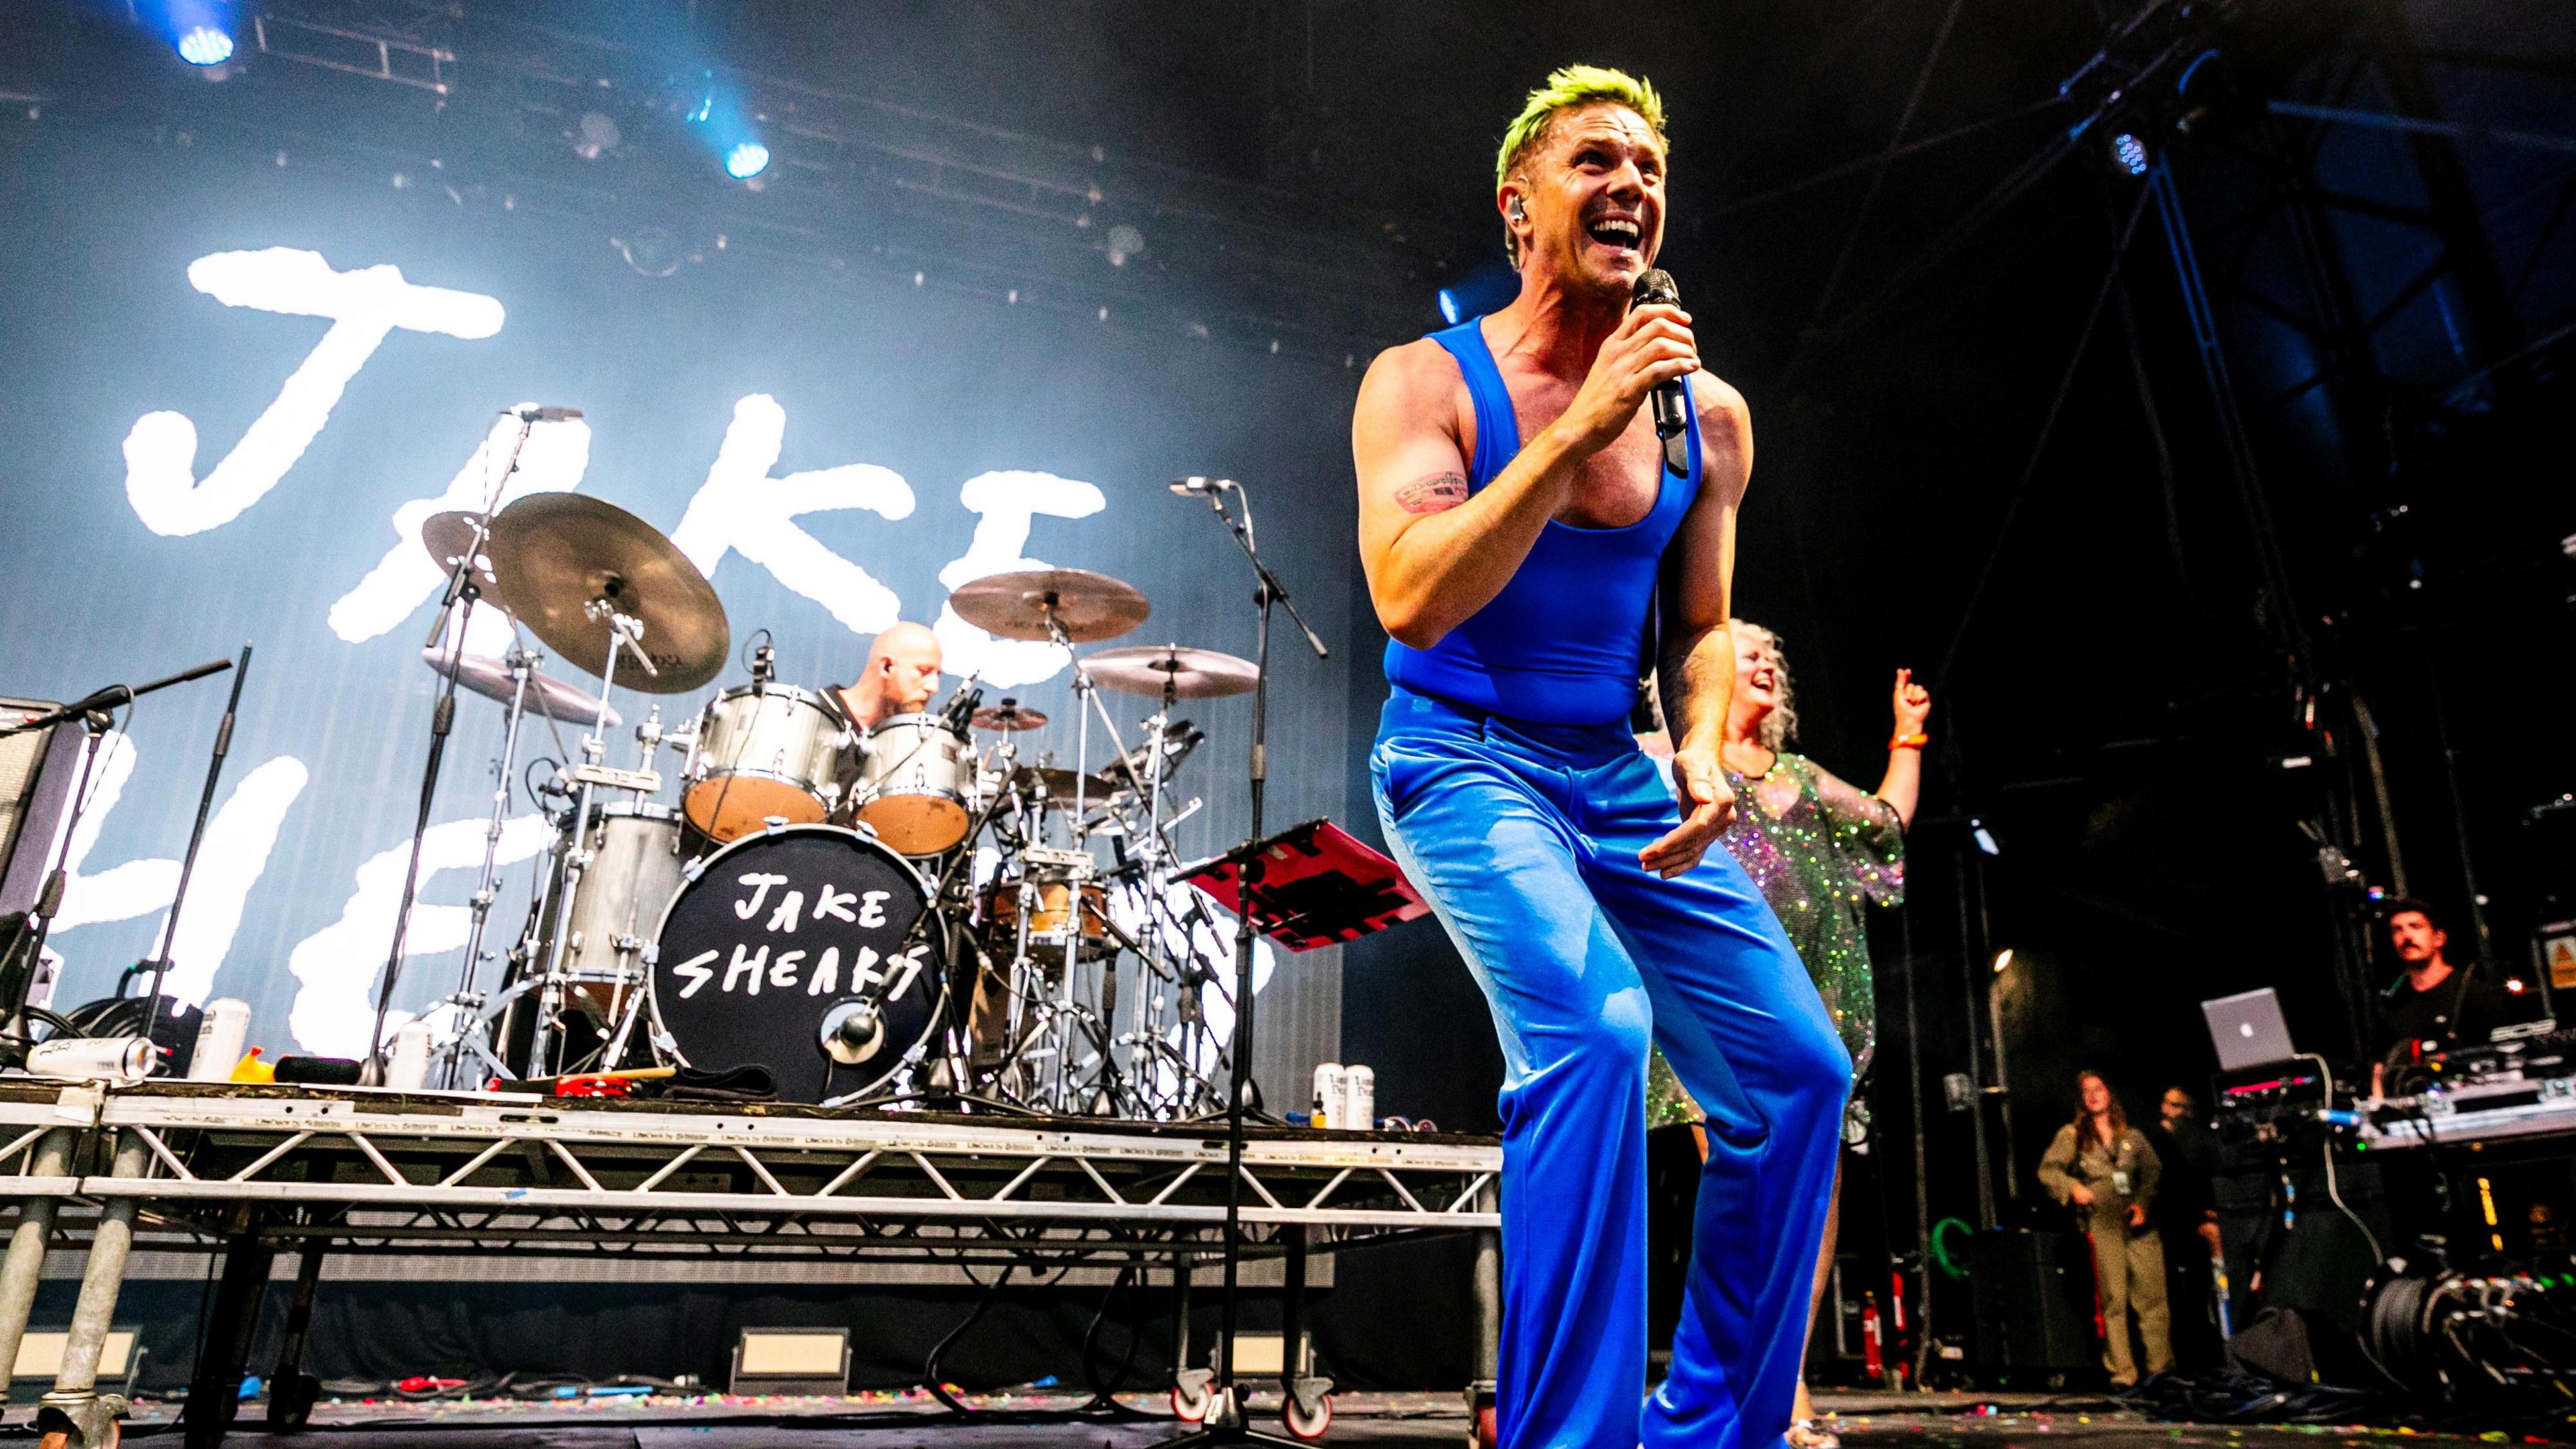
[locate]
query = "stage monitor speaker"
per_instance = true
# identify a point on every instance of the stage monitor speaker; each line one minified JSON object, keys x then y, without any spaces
{"x":2027,"y":1288}
{"x":791,"y":1361}
{"x":37,"y":770}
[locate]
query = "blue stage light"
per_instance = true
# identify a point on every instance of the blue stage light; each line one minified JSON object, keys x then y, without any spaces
{"x":746,"y":160}
{"x":2130,"y":152}
{"x":205,"y":45}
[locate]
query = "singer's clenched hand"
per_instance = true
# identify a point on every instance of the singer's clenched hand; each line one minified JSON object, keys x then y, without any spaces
{"x":1707,"y":803}
{"x":1651,"y":348}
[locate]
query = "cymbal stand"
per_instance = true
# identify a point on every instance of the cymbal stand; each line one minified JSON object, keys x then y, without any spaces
{"x":461,"y":589}
{"x":471,"y":1039}
{"x":624,"y":632}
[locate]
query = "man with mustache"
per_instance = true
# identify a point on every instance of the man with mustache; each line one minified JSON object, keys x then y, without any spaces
{"x":1520,"y":528}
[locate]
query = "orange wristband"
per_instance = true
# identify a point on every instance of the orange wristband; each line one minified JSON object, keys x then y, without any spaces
{"x":1909,"y":742}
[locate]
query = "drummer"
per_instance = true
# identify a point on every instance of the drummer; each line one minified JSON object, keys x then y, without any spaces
{"x":902,"y":674}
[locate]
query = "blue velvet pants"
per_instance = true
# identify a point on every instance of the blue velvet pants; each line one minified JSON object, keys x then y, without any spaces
{"x":1524,"y":838}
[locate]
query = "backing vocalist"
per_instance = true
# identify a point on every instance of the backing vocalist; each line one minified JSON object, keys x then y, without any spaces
{"x":1520,"y":527}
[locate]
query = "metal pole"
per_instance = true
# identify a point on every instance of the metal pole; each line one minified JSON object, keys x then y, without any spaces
{"x":75,"y":1408}
{"x":24,"y":1266}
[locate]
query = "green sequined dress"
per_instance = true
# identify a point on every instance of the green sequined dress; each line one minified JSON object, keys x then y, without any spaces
{"x":1820,"y":850}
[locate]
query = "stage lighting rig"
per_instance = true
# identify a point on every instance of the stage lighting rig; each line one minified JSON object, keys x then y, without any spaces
{"x":205,"y":45}
{"x":2129,"y":153}
{"x":746,"y":160}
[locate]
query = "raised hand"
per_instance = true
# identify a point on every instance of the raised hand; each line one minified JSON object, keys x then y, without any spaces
{"x":1913,"y":704}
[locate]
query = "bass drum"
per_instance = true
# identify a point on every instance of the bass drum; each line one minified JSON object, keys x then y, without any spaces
{"x":794,"y":949}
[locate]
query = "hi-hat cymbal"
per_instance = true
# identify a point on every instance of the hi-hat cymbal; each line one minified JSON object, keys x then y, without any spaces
{"x":1058,"y":784}
{"x":555,"y":554}
{"x":1009,"y":715}
{"x":447,"y":536}
{"x":1188,"y":673}
{"x":547,"y":696}
{"x":1088,"y":607}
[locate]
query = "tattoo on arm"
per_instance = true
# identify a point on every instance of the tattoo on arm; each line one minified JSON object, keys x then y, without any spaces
{"x":1435,"y":494}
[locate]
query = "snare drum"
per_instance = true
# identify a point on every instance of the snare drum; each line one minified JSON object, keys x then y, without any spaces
{"x":764,"y":751}
{"x":1048,"y":920}
{"x":916,"y":786}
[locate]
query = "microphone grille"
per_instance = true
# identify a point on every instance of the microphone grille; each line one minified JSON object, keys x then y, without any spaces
{"x":1656,"y":285}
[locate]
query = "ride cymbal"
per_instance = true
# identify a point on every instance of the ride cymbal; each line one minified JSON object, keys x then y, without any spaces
{"x":1088,"y":607}
{"x":1186,"y":673}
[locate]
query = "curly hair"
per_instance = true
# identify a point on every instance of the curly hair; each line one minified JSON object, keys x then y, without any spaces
{"x":1781,"y":725}
{"x":1566,"y":89}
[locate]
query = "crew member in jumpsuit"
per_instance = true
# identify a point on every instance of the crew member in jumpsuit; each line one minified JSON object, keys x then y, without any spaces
{"x":1518,"y":523}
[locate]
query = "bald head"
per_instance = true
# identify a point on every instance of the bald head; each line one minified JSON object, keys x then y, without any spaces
{"x":902,"y":674}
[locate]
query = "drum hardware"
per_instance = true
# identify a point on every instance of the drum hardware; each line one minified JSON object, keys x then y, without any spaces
{"x":465,"y":586}
{"x":642,"y":782}
{"x":471,"y":1042}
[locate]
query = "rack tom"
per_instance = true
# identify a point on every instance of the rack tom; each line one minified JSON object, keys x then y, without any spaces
{"x":764,"y":751}
{"x":916,"y":786}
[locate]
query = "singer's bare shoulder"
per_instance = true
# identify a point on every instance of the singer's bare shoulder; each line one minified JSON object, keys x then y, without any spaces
{"x":1413,"y":405}
{"x":1725,"y":431}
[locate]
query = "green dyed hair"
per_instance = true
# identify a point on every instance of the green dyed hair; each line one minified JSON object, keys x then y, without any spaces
{"x":1575,"y":85}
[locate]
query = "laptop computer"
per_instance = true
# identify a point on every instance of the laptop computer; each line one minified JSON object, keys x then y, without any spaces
{"x":2248,"y":1030}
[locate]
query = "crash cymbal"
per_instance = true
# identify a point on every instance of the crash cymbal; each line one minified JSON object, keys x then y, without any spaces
{"x":1089,"y":607}
{"x":1009,"y":715}
{"x":1189,"y":673}
{"x":549,"y":697}
{"x":557,"y":553}
{"x":447,"y":536}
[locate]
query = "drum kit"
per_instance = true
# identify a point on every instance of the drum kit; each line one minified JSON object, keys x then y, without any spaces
{"x":906,"y":910}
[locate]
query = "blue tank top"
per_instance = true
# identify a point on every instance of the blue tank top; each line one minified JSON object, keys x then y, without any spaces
{"x":1562,"y":642}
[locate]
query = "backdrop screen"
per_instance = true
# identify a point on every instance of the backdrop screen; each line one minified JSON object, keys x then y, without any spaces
{"x":231,"y":390}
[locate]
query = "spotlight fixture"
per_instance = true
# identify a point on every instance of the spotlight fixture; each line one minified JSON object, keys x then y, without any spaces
{"x":2003,"y":960}
{"x":1985,"y":838}
{"x":205,"y":45}
{"x":746,"y":160}
{"x":2129,"y":153}
{"x":1124,"y":241}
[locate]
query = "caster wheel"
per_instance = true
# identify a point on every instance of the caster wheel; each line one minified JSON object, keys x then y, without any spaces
{"x":1302,"y":1425}
{"x":1190,"y":1405}
{"x":61,"y":1439}
{"x":1485,"y":1432}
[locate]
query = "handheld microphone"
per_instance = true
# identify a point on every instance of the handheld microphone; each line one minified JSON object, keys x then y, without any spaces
{"x":1671,"y":399}
{"x":1196,"y":487}
{"x":541,"y":415}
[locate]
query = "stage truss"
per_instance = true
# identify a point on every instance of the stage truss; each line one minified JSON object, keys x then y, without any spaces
{"x":256,"y":1170}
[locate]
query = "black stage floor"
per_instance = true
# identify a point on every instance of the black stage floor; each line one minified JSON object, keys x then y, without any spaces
{"x":1866,"y":1422}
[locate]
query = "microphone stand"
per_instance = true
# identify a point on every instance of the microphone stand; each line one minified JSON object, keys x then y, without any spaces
{"x":96,"y":716}
{"x":461,"y":589}
{"x":160,"y":962}
{"x":1224,"y":1423}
